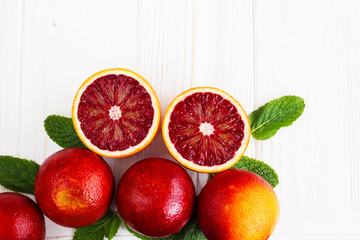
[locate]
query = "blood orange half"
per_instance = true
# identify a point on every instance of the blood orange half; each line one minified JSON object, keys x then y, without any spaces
{"x":116,"y":113}
{"x":206,"y":130}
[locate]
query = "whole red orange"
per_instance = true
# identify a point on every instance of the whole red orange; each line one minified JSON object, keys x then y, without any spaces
{"x":155,"y":197}
{"x":237,"y":205}
{"x":20,"y":218}
{"x":74,"y":187}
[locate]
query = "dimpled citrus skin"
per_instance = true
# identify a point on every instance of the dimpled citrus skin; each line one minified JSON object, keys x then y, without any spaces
{"x":74,"y":187}
{"x":237,"y":205}
{"x":20,"y":218}
{"x":156,"y":197}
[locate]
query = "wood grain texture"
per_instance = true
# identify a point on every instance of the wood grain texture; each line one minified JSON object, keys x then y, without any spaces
{"x":312,"y":49}
{"x":10,"y":48}
{"x":256,"y":50}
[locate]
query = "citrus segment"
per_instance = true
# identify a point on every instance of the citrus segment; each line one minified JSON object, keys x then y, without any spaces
{"x":206,"y":130}
{"x":116,"y":113}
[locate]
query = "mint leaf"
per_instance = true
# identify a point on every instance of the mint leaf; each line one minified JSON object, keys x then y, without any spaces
{"x":112,"y":227}
{"x":191,"y":231}
{"x":61,"y":131}
{"x":18,"y":174}
{"x":138,"y":235}
{"x":258,"y":167}
{"x":107,"y":226}
{"x":278,"y":113}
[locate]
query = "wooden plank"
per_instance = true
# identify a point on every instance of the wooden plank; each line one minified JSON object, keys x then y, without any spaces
{"x":317,"y":237}
{"x":80,"y":39}
{"x":311,"y":49}
{"x":183,"y":44}
{"x":10,"y":64}
{"x":281,"y":237}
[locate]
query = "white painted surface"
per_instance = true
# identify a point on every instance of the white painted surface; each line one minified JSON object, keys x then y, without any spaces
{"x":256,"y":50}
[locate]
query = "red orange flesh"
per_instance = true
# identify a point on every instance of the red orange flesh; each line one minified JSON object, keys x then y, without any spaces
{"x":206,"y":130}
{"x":116,"y":113}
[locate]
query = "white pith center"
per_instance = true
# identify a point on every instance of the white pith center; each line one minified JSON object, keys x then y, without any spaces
{"x":206,"y":128}
{"x":115,"y":113}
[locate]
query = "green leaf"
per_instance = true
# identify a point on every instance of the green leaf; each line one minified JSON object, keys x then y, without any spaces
{"x":138,"y":235}
{"x":61,"y":131}
{"x":258,"y":167}
{"x":191,"y":231}
{"x":18,"y":174}
{"x":107,"y":226}
{"x":278,"y":113}
{"x":112,"y":227}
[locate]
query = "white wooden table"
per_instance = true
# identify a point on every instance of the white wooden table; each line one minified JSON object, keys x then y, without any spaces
{"x":256,"y":50}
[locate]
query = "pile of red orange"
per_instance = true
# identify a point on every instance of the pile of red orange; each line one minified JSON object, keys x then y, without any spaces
{"x":116,"y":113}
